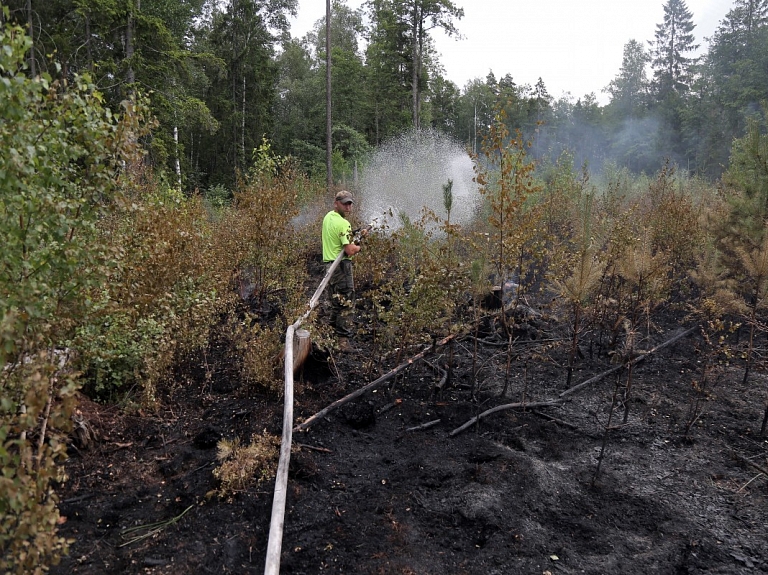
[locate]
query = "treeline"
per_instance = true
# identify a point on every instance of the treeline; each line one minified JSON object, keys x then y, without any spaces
{"x":224,"y":75}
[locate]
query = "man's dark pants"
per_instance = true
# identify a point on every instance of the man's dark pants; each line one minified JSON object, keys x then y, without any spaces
{"x":342,"y":295}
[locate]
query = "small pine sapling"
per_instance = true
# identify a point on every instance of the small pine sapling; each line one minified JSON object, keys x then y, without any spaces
{"x":507,"y":186}
{"x":754,"y":265}
{"x":579,"y":287}
{"x":715,"y":353}
{"x":607,"y":428}
{"x":241,"y":466}
{"x":645,"y":276}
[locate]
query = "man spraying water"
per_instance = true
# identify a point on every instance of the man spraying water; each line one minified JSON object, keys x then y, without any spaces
{"x":337,"y":237}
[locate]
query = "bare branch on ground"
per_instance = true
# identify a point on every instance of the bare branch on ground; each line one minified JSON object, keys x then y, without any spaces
{"x":358,"y":392}
{"x":564,"y":395}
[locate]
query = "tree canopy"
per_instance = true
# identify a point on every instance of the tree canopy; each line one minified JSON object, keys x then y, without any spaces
{"x":223,"y":75}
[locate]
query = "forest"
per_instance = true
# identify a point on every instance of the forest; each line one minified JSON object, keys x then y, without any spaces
{"x":222,"y":76}
{"x":165,"y":169}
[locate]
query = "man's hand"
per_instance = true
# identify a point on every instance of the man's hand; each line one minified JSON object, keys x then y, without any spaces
{"x":352,"y":248}
{"x":359,"y":234}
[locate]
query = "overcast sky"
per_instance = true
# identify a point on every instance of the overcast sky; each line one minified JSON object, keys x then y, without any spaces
{"x":575,"y":46}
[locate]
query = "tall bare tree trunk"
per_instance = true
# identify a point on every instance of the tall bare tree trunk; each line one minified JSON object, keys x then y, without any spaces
{"x":238,"y":160}
{"x":236,"y":148}
{"x":176,"y":152}
{"x":88,"y":41}
{"x":416,"y":57}
{"x":328,"y":117}
{"x":242,"y":128}
{"x":32,"y":66}
{"x":129,"y":48}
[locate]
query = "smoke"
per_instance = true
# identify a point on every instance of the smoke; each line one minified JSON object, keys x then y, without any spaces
{"x":642,"y":144}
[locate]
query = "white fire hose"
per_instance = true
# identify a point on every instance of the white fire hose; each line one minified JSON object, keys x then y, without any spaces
{"x":274,"y":545}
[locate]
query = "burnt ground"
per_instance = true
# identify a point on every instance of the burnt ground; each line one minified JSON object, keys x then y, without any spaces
{"x":372,"y":493}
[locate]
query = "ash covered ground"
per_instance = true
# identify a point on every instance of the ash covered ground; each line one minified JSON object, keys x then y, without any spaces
{"x":387,"y":485}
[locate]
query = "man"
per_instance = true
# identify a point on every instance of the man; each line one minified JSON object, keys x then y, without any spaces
{"x":337,"y":236}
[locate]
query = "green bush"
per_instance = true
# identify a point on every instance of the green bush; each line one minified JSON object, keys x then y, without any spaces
{"x":61,"y":152}
{"x":218,"y":196}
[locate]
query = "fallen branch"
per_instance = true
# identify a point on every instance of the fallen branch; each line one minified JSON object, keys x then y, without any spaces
{"x":555,"y":419}
{"x":751,"y":464}
{"x":562,"y":397}
{"x":199,"y":467}
{"x":493,"y":342}
{"x":389,"y":406}
{"x":313,"y":448}
{"x":424,"y":425}
{"x":743,"y":487}
{"x":357,"y":393}
{"x":443,"y":374}
{"x":634,"y":361}
{"x":548,"y":403}
{"x":79,"y":498}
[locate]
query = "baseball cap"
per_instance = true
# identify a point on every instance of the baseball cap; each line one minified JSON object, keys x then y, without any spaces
{"x":344,"y":197}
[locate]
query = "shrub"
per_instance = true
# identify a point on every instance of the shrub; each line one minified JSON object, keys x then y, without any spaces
{"x":244,"y":465}
{"x":166,"y":288}
{"x":61,"y":151}
{"x":518,"y":246}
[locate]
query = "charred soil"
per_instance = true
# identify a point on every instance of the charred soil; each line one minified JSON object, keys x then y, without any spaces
{"x":387,"y":485}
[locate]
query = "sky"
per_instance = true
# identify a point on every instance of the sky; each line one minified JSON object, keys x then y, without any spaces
{"x":575,"y":46}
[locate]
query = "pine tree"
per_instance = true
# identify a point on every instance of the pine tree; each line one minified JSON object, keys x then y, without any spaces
{"x":734,"y":77}
{"x":737,"y":36}
{"x":242,"y":34}
{"x":746,"y":17}
{"x":673,"y":41}
{"x":425,"y":15}
{"x":388,"y":63}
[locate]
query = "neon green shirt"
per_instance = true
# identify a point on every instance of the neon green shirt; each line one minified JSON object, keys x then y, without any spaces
{"x":337,"y":233}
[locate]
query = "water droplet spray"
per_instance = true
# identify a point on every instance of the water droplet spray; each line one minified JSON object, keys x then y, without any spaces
{"x":408,"y":173}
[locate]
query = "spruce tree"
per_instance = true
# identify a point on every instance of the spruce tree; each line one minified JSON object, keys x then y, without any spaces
{"x":745,"y":18}
{"x":672,"y":68}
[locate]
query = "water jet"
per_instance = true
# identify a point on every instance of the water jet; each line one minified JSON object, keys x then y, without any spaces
{"x":408,"y":173}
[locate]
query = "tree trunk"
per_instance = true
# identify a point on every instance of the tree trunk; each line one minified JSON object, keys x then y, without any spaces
{"x":32,"y":67}
{"x":88,"y":50}
{"x":176,"y":152}
{"x":129,"y":47}
{"x":328,"y":109}
{"x":574,"y":343}
{"x":416,"y":63}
